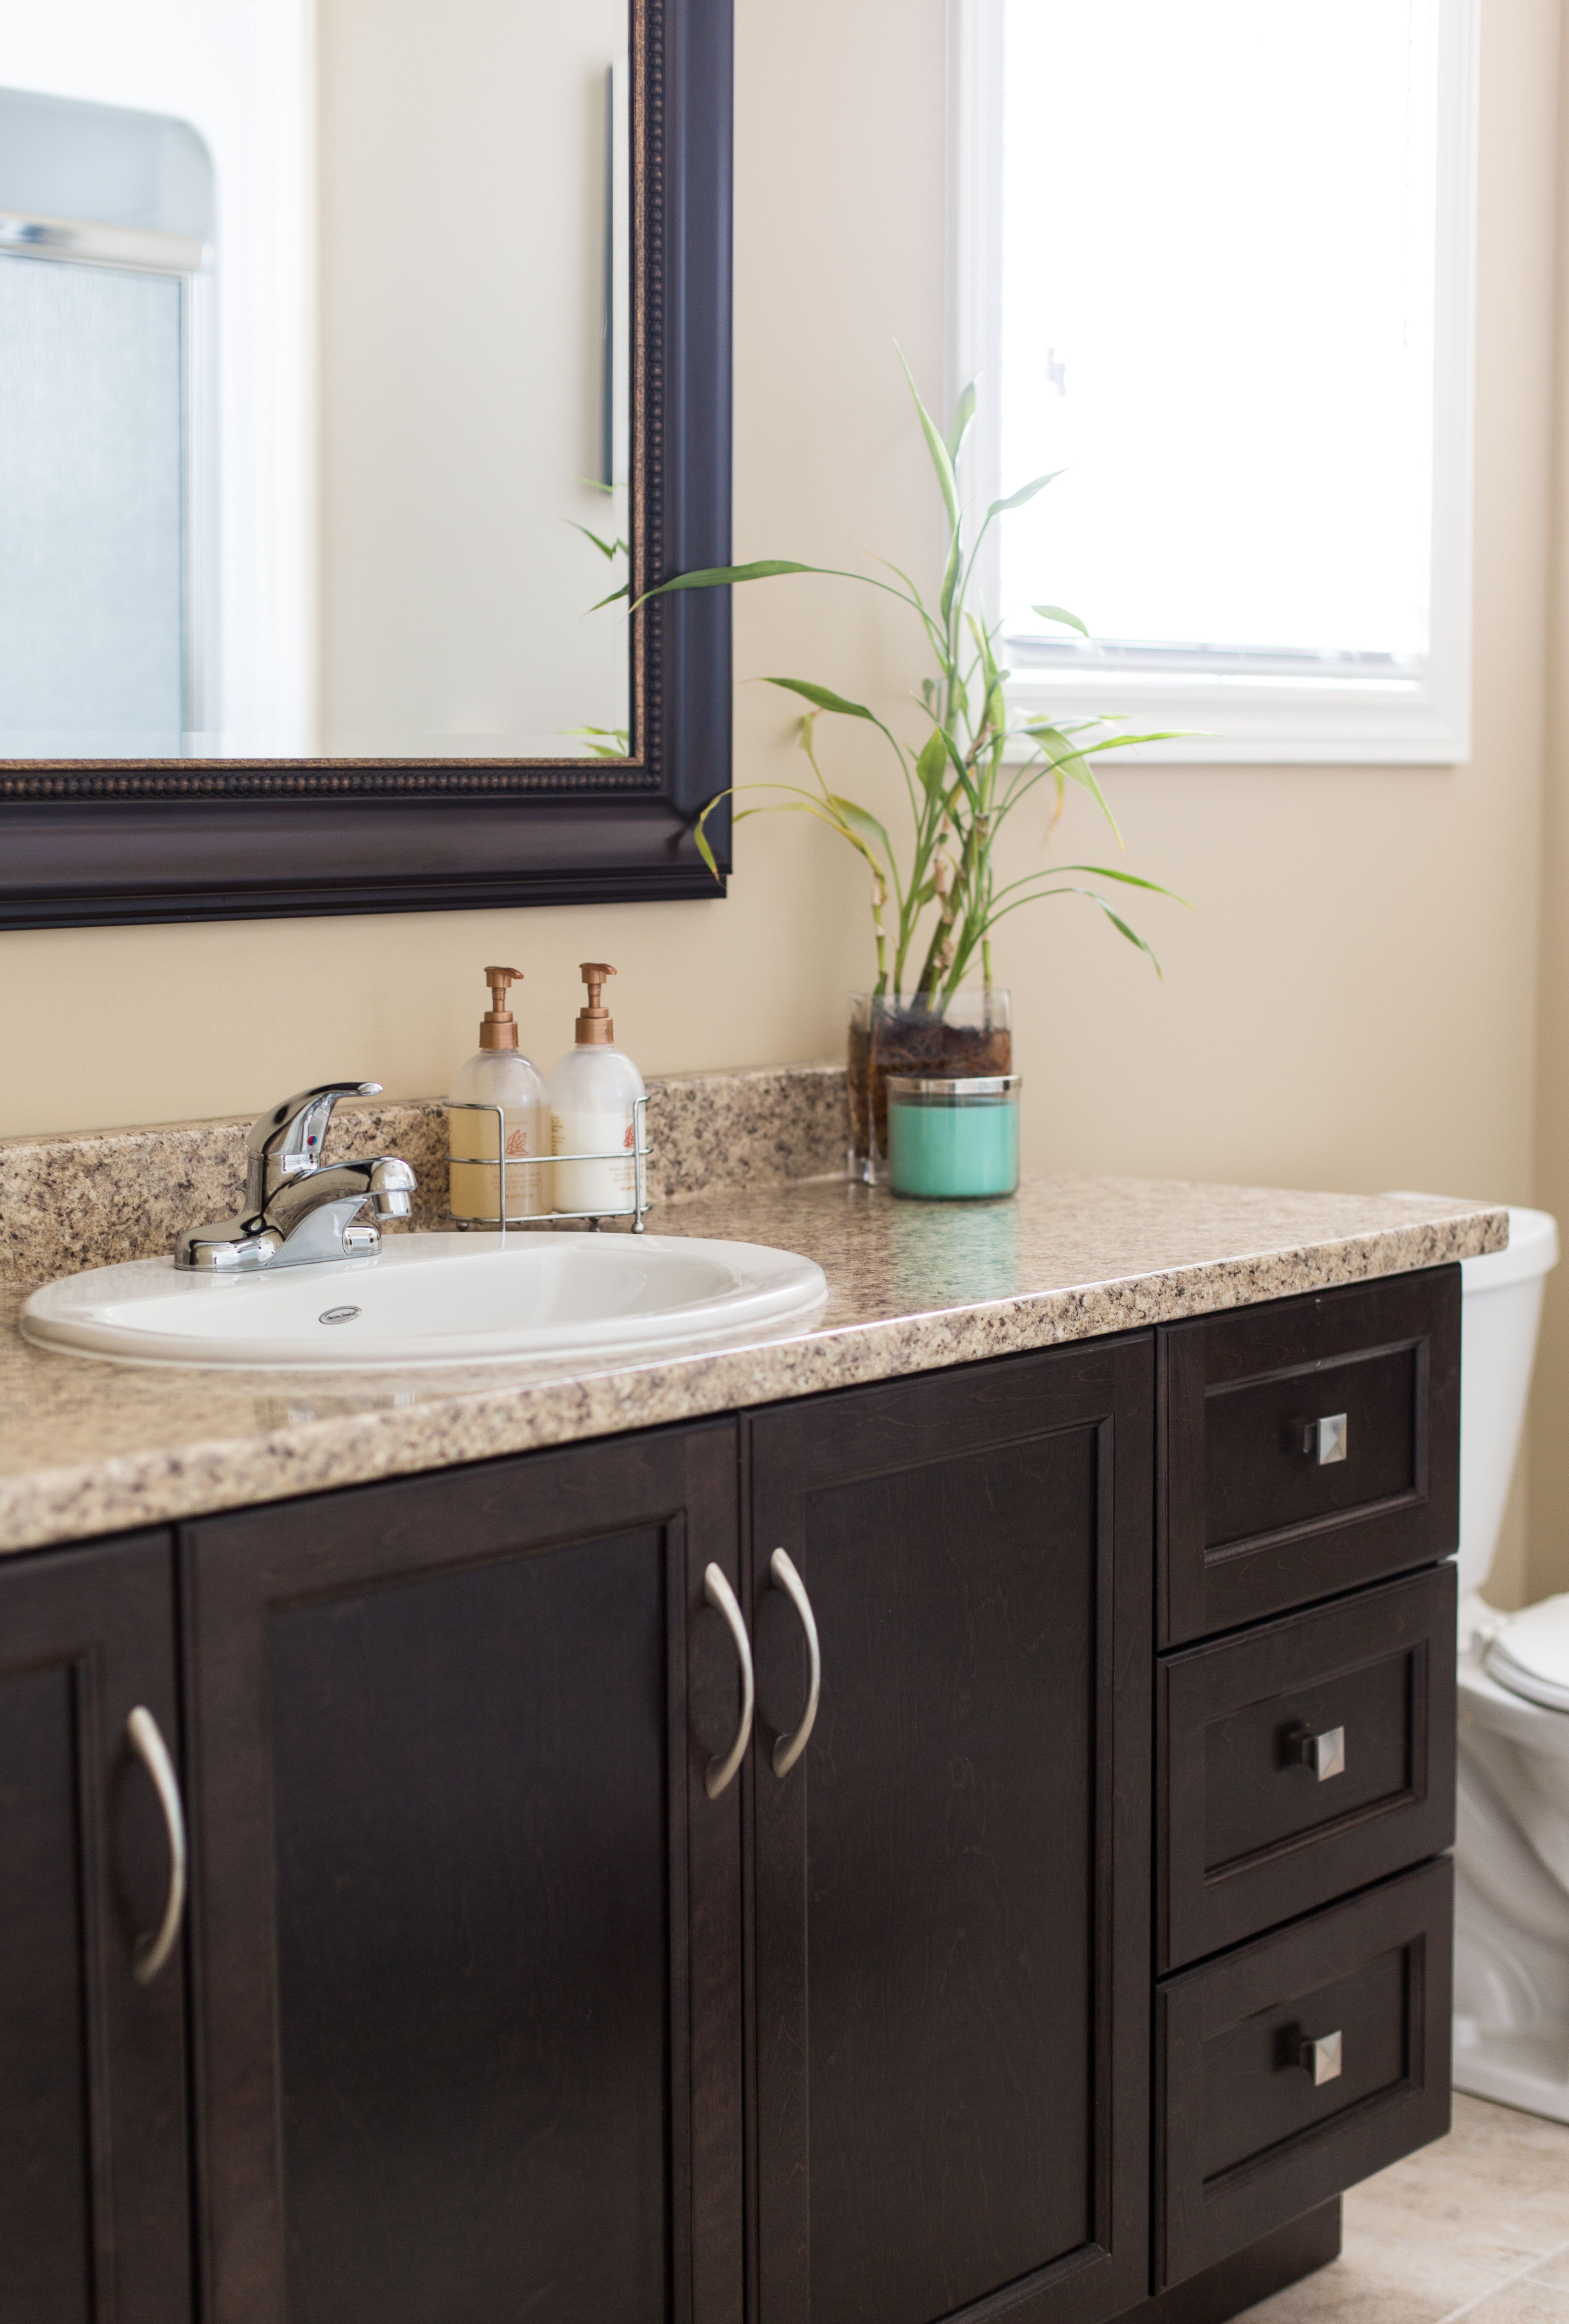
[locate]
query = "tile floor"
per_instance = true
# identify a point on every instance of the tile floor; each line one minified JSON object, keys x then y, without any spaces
{"x":1477,"y":2226}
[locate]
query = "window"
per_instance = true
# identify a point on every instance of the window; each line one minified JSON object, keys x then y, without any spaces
{"x":1214,"y":264}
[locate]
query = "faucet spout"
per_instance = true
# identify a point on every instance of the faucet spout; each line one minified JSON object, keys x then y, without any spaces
{"x":299,"y":1211}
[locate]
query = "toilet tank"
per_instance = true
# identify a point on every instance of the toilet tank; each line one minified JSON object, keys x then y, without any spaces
{"x":1500,"y":1311}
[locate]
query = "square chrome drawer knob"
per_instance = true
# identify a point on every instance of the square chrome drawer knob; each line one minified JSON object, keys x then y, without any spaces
{"x":1327,"y":1439}
{"x":1326,"y":1753}
{"x":1322,"y":2058}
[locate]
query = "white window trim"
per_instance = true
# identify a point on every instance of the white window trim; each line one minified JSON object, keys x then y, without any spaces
{"x":1243,"y":717}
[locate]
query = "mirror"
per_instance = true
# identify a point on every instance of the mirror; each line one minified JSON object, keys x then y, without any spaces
{"x":315,"y":392}
{"x":351,"y":352}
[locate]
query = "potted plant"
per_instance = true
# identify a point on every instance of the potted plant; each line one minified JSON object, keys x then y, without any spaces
{"x":935,"y":903}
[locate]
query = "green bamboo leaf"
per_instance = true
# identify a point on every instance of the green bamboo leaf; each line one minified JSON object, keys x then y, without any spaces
{"x":700,"y":835}
{"x":1026,"y":493}
{"x":941,"y":460}
{"x":722,"y":577}
{"x":1061,"y":614}
{"x":1117,"y":922}
{"x":1069,"y":760}
{"x":950,"y":577}
{"x":825,"y":698}
{"x":963,"y":413}
{"x":1128,"y":880}
{"x":607,"y":548}
{"x":932,"y":764}
{"x":1131,"y":741}
{"x":860,"y":821}
{"x":1123,"y":929}
{"x":611,"y":600}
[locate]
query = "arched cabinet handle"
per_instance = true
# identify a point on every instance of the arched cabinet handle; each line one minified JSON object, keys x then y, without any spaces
{"x":151,"y":1952}
{"x":722,"y":1598}
{"x":788,"y":1748}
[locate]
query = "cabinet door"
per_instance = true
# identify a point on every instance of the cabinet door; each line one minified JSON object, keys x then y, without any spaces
{"x":952,"y":1885}
{"x":468,"y":1923}
{"x":93,"y":2209}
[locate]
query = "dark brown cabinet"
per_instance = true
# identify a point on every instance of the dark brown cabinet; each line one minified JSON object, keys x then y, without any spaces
{"x":467,"y":1926}
{"x":1101,"y":1742}
{"x":94,"y":2225}
{"x":951,"y":1886}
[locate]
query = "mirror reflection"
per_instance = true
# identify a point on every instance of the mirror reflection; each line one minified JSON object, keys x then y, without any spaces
{"x":315,"y":324}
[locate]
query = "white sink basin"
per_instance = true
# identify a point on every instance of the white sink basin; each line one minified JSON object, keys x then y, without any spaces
{"x":432,"y":1298}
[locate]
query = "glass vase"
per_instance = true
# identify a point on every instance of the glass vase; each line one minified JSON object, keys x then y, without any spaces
{"x":968,"y":1034}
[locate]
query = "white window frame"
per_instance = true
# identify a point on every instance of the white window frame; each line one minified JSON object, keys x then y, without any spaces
{"x":1268,"y":713}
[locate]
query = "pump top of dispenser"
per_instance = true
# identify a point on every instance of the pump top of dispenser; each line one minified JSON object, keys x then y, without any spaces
{"x":595,"y":1023}
{"x":497,"y":1026}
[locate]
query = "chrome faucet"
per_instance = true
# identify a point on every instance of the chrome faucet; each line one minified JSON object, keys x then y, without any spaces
{"x":297,"y":1211}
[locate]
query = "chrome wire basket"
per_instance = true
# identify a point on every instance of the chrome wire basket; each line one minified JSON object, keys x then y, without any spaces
{"x":636,"y":1209}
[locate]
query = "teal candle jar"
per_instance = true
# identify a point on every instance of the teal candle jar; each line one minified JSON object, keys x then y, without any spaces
{"x":953,"y":1141}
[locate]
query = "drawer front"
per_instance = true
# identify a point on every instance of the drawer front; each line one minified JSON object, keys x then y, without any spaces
{"x":1308,"y":1756}
{"x":1299,"y":2064}
{"x":1309,"y":1446}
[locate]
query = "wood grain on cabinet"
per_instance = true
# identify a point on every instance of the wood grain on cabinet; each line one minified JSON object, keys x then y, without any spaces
{"x":952,"y":1918}
{"x":1246,"y":2139}
{"x":94,"y":2225}
{"x":469,"y":1925}
{"x":1247,"y":1834}
{"x":1252,"y":1522}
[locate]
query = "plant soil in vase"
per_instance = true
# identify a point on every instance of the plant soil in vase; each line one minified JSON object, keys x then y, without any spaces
{"x":956,"y":1036}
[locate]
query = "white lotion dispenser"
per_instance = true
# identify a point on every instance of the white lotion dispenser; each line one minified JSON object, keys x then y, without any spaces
{"x":593,"y":1094}
{"x":498,"y":1075}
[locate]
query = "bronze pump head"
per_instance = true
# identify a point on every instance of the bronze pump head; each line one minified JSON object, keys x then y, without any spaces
{"x":594,"y":1023}
{"x":497,"y":1026}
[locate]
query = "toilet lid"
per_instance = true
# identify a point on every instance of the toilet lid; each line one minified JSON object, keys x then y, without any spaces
{"x":1530,"y":1653}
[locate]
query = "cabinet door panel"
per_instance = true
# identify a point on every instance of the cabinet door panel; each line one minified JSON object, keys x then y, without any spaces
{"x":93,"y":2215}
{"x":487,"y":1917}
{"x":1258,"y":1511}
{"x":1247,"y":1834}
{"x":952,"y":1918}
{"x":1252,"y":2132}
{"x":468,"y":1907}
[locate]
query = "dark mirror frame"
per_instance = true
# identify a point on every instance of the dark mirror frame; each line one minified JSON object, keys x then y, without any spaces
{"x":115,"y":841}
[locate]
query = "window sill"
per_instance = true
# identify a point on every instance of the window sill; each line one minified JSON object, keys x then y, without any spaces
{"x":1256,"y":721}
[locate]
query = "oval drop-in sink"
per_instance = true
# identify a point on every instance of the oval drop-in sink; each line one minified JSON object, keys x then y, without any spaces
{"x":432,"y":1298}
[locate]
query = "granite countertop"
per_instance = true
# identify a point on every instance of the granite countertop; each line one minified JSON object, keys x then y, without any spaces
{"x":90,"y":1448}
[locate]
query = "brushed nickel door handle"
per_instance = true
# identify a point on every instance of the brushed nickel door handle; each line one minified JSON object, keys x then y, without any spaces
{"x":151,"y":1952}
{"x":1323,"y":2059}
{"x":722,"y":1598}
{"x":1324,"y":1754}
{"x":788,"y":1748}
{"x":1325,"y":1441}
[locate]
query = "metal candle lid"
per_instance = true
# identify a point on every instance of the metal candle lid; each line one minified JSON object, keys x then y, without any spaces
{"x":977,"y":1085}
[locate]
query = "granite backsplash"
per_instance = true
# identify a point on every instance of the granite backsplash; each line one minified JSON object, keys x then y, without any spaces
{"x":94,"y":1198}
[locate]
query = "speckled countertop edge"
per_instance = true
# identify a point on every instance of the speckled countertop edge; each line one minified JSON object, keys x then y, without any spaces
{"x":198,"y":1443}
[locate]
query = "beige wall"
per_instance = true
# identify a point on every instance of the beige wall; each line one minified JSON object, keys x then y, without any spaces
{"x":1350,"y":1004}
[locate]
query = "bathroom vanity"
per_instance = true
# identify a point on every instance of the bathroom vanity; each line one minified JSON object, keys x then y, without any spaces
{"x":1096,"y":1939}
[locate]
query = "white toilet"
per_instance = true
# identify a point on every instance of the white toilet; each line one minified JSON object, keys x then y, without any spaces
{"x":1512,"y":1850}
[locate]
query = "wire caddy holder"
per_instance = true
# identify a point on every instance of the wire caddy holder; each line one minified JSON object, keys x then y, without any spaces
{"x":636,"y":1209}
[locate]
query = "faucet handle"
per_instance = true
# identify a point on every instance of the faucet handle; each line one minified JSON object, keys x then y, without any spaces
{"x":288,"y":1138}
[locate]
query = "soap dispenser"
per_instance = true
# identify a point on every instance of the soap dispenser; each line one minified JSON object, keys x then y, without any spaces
{"x":498,"y":1075}
{"x":594,"y":1093}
